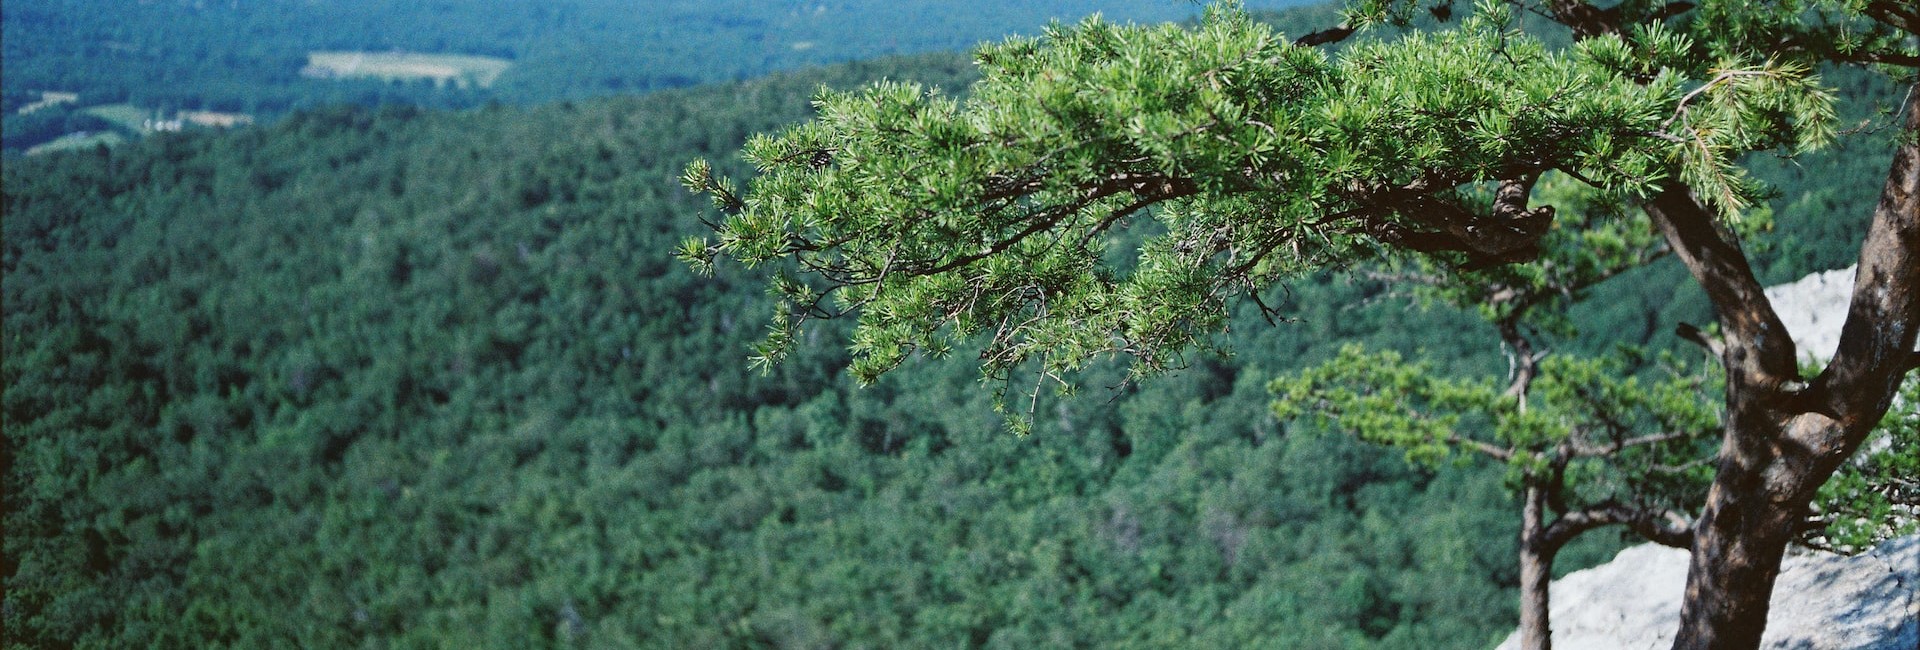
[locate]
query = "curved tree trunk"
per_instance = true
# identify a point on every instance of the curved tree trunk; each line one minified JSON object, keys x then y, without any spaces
{"x":1784,"y":439}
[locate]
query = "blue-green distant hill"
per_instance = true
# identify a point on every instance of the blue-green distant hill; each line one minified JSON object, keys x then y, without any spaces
{"x":248,"y":56}
{"x":123,"y":69}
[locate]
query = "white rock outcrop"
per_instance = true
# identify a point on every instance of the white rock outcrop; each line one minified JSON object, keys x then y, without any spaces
{"x":1813,"y":308}
{"x":1822,"y":601}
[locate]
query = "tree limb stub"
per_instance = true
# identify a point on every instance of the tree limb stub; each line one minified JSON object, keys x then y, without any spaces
{"x":1325,"y":36}
{"x":1693,"y":334}
{"x":1757,"y":348}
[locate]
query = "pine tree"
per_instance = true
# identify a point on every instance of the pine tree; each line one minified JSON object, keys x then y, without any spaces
{"x":1107,"y":189}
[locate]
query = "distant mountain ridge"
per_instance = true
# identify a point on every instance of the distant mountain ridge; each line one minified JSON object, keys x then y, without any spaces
{"x":246,"y":56}
{"x":266,"y":58}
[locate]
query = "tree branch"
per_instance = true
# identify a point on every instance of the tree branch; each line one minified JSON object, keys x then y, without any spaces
{"x":1897,"y":15}
{"x":1501,"y":454}
{"x":1586,"y":20}
{"x":1151,"y":188}
{"x":1329,"y":35}
{"x":1877,"y":339}
{"x":1756,"y":347}
{"x":1591,"y":451}
{"x":1660,"y":526}
{"x":1692,"y":334}
{"x":1510,"y":234}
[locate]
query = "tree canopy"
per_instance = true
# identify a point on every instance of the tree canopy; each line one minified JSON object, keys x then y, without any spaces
{"x":1254,"y":160}
{"x":1106,"y":189}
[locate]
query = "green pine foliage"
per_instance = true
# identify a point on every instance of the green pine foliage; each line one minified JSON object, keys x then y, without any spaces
{"x":1103,"y":191}
{"x":1252,"y":161}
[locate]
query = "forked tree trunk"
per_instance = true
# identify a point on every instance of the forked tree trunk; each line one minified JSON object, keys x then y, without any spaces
{"x":1784,"y":439}
{"x":1757,"y":498}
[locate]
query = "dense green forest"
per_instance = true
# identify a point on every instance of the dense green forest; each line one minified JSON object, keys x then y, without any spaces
{"x":391,"y":376}
{"x":248,"y":57}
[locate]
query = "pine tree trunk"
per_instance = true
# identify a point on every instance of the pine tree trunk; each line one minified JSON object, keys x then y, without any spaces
{"x":1784,"y":439}
{"x":1536,"y":571}
{"x":1739,"y":542}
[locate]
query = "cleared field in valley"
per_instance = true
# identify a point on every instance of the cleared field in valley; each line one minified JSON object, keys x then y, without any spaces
{"x":78,"y":141}
{"x":127,"y":116}
{"x":443,"y":69}
{"x":50,"y":98}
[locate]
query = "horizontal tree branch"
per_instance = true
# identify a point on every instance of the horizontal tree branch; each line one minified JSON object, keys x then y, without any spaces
{"x":1587,"y":20}
{"x":1487,"y":449}
{"x":1151,"y":188}
{"x":1692,"y":334}
{"x":1582,"y":450}
{"x":1508,"y":233}
{"x":1658,"y":525}
{"x":1329,"y":35}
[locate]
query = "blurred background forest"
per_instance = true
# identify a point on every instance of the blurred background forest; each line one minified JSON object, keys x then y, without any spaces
{"x":378,"y":374}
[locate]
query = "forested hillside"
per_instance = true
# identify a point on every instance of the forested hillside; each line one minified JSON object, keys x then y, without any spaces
{"x":371,"y":377}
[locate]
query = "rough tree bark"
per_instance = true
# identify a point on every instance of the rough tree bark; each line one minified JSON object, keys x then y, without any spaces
{"x":1536,"y":570}
{"x":1784,"y":437}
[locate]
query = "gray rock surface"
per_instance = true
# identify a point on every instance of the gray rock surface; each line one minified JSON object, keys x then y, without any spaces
{"x":1813,"y":308}
{"x":1823,"y":601}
